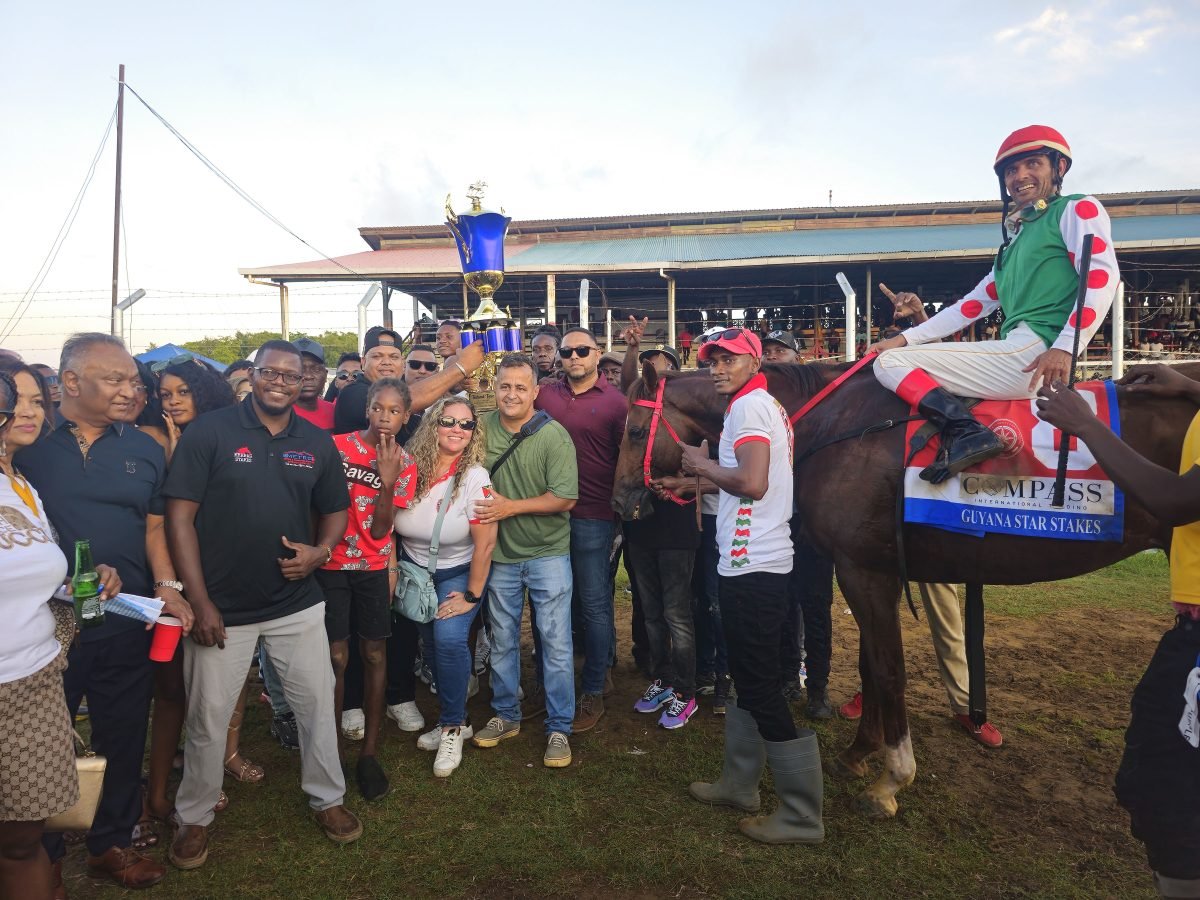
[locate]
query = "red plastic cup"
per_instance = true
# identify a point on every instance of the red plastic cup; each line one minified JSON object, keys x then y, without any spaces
{"x":167,"y":632}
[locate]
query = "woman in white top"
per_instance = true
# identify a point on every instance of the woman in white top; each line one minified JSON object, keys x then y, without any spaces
{"x":448,"y":447}
{"x":37,"y":757}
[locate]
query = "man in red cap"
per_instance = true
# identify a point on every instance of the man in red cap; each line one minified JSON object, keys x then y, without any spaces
{"x":754,"y":474}
{"x":1034,"y":281}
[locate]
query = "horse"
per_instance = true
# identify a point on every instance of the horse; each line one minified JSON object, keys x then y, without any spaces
{"x":846,"y":495}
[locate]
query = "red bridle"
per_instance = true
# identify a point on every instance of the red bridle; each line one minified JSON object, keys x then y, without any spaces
{"x":655,"y":417}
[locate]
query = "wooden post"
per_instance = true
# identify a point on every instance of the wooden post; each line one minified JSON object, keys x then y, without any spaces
{"x":551,"y":301}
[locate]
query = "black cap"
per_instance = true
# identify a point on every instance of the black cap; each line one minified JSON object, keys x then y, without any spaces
{"x":669,"y":352}
{"x":311,"y":347}
{"x":372,"y":338}
{"x":782,"y":337}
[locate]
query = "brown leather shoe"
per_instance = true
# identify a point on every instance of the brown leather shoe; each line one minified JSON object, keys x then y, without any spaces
{"x":339,"y":824}
{"x":587,"y":713}
{"x":60,"y":889}
{"x":189,"y":849}
{"x":126,"y":867}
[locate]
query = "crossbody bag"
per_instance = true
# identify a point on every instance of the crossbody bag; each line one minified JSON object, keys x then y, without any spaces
{"x":416,"y":597}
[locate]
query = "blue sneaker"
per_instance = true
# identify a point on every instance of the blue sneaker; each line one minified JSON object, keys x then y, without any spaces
{"x":656,"y":695}
{"x":678,"y":712}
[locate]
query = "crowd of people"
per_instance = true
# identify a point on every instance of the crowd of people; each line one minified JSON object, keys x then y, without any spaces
{"x":349,"y":541}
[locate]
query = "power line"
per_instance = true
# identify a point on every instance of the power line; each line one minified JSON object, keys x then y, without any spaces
{"x":64,"y":231}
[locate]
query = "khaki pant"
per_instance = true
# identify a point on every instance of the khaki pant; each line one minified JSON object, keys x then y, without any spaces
{"x":299,"y":649}
{"x":949,"y":642}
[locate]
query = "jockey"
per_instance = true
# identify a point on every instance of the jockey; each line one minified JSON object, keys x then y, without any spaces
{"x":1033,"y":281}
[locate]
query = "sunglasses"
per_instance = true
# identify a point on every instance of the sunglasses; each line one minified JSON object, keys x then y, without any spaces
{"x":581,"y":352}
{"x":5,"y":415}
{"x":728,"y":334}
{"x":275,"y":375}
{"x":179,"y":360}
{"x":450,"y":422}
{"x":342,"y":376}
{"x":417,"y":365}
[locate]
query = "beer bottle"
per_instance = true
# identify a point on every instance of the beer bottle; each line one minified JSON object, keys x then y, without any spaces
{"x":85,"y":586}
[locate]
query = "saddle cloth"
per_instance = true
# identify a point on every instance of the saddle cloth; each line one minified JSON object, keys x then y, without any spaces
{"x":1011,"y":493}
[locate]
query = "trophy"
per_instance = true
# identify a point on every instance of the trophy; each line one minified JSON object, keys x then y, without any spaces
{"x":479,"y":237}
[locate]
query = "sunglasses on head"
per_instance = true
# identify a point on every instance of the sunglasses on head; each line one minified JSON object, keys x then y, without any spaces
{"x":179,"y":360}
{"x":582,"y":352}
{"x":728,"y":334}
{"x":450,"y":422}
{"x":418,"y":364}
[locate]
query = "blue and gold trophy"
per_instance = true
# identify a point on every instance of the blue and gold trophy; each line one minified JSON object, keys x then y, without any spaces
{"x":479,"y":237}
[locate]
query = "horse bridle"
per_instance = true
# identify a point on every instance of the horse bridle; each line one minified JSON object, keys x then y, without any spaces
{"x":655,"y":417}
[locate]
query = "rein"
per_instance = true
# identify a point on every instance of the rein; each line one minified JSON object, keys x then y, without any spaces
{"x":657,"y":416}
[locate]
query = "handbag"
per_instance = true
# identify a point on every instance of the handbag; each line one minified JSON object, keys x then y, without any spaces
{"x":90,"y":768}
{"x":416,"y":597}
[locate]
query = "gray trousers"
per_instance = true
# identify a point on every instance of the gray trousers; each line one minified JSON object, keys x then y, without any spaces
{"x":299,"y":649}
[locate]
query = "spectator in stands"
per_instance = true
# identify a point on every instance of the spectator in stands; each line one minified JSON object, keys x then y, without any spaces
{"x":449,"y":451}
{"x":309,"y":404}
{"x":685,"y":345}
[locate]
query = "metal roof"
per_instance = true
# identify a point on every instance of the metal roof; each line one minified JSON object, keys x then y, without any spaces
{"x":714,"y":250}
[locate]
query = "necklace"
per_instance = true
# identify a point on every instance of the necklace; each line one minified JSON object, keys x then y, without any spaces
{"x":22,"y":489}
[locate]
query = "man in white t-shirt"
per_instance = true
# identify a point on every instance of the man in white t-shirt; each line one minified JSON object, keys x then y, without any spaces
{"x":754,"y":474}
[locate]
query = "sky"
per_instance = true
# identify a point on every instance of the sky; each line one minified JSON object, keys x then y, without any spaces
{"x":337,"y":116}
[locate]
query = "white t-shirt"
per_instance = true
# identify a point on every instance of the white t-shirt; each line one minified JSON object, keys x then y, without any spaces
{"x":753,"y":535}
{"x":455,"y":546}
{"x":33,"y":568}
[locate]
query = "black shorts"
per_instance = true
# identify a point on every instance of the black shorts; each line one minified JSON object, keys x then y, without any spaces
{"x":367,"y":593}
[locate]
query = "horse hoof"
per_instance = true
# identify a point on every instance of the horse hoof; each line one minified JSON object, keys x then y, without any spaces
{"x":850,"y":768}
{"x":874,"y":807}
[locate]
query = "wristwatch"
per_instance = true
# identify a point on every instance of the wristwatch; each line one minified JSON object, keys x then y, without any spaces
{"x":173,"y":585}
{"x":469,"y":597}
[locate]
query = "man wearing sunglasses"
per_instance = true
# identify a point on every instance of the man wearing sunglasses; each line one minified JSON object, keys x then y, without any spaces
{"x":593,"y":412}
{"x":348,"y":367}
{"x":309,"y":404}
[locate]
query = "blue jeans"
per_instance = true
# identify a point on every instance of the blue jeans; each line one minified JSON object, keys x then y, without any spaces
{"x":447,"y":649}
{"x":549,"y":582}
{"x":591,"y":544}
{"x":279,"y":704}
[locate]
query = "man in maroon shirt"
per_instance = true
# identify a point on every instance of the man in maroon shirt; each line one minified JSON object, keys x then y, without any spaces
{"x":593,"y":412}
{"x":309,"y":404}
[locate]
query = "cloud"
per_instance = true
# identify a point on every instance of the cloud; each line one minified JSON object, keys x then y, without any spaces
{"x":1079,"y":41}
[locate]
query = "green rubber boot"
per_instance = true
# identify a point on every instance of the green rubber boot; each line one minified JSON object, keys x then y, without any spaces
{"x":796,"y":767}
{"x":745,"y":757}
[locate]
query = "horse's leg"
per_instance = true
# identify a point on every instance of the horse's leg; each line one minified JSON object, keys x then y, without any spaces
{"x":881,"y":655}
{"x":869,"y":738}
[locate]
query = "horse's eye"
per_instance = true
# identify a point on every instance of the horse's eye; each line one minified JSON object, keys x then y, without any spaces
{"x":637,"y":432}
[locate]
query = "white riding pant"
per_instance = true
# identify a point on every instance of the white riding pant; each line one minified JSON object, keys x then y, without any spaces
{"x":990,"y":370}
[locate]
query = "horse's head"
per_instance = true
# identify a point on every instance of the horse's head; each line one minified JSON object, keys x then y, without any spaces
{"x":658,"y":405}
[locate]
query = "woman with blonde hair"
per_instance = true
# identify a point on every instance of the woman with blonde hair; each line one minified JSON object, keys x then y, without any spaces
{"x":449,"y":449}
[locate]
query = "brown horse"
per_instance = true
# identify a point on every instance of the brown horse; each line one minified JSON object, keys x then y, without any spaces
{"x":846,"y":494}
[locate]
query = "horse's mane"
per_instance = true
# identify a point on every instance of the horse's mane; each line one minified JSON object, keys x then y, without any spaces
{"x":637,"y":390}
{"x":807,"y":378}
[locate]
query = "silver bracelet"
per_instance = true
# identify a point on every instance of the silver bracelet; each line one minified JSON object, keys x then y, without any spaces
{"x":461,"y":369}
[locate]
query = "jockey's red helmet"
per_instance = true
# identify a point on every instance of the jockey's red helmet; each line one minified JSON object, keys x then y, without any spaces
{"x":1029,"y":139}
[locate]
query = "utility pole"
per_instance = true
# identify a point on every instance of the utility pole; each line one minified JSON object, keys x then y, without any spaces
{"x":117,"y":196}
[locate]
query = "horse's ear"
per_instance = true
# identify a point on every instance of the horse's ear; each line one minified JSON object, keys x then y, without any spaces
{"x":649,"y":376}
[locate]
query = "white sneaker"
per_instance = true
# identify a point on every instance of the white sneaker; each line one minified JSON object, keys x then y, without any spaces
{"x":449,"y":753}
{"x":406,"y":715}
{"x":472,"y":686}
{"x":354,"y":724}
{"x":432,"y":739}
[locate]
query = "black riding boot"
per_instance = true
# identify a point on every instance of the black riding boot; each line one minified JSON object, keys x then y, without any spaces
{"x":964,"y":442}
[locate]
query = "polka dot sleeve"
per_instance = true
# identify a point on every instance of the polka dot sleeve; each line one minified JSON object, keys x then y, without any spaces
{"x":1081,"y":217}
{"x":981,"y":301}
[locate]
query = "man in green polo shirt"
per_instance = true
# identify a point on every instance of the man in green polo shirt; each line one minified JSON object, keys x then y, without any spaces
{"x":535,"y":483}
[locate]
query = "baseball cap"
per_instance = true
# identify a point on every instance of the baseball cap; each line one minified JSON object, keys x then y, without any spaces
{"x":311,"y":347}
{"x":373,"y":335}
{"x":739,"y":341}
{"x":618,"y":358}
{"x":782,"y":337}
{"x":668,"y":352}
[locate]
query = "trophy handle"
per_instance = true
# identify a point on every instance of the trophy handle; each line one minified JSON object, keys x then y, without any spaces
{"x":452,"y":224}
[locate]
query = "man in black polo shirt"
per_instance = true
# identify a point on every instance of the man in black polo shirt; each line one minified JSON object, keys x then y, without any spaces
{"x":245,"y":484}
{"x":100,"y":480}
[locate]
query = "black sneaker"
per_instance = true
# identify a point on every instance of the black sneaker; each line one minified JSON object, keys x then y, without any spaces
{"x":793,"y":691}
{"x":721,"y":693}
{"x":283,"y":729}
{"x":372,"y":782}
{"x":705,"y":683}
{"x":819,"y":706}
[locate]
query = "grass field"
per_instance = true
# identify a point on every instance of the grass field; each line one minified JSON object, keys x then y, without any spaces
{"x":1035,"y":818}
